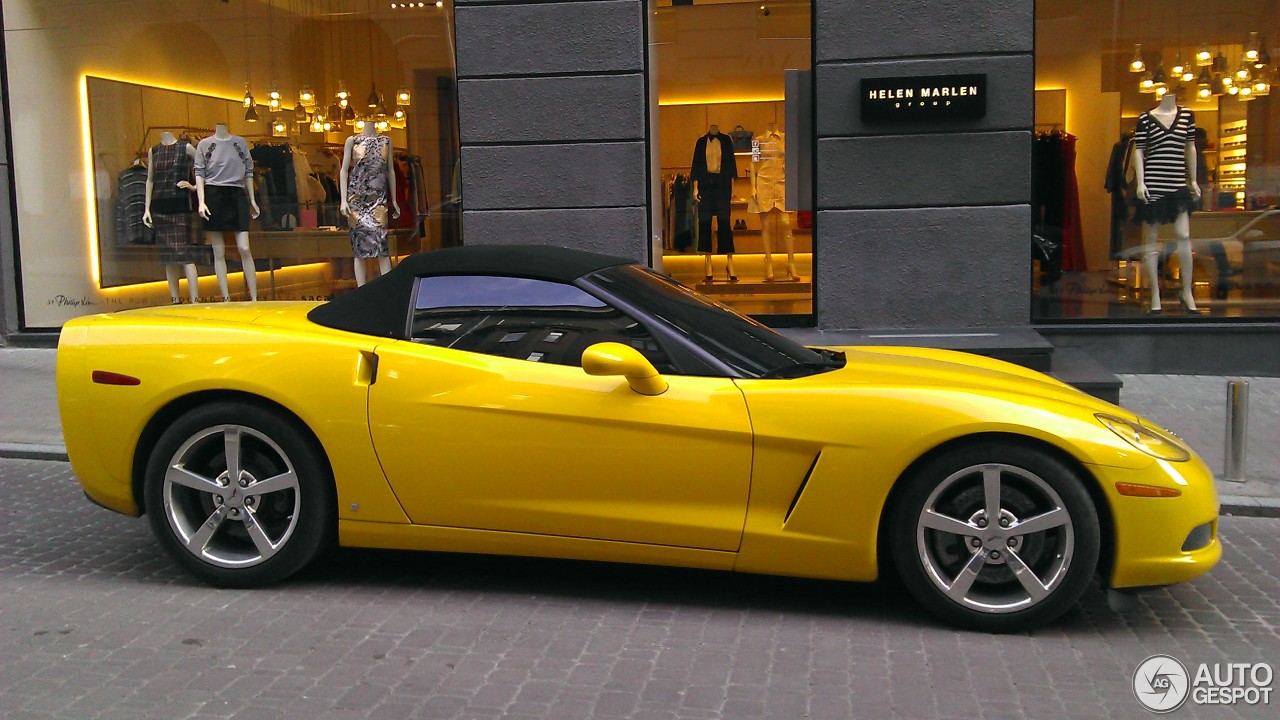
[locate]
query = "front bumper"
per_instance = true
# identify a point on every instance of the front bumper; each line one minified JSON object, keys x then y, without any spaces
{"x":1162,"y":541}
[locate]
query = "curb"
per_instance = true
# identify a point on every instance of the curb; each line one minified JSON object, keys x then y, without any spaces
{"x":30,"y":451}
{"x":1236,"y":505}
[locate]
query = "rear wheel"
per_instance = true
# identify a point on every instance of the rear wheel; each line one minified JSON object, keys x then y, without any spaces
{"x":995,"y":537}
{"x":240,"y":495}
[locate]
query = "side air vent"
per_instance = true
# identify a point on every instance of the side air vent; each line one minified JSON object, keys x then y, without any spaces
{"x":800,"y":490}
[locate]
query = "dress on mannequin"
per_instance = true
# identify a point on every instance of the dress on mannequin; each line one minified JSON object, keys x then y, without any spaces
{"x":1165,"y":159}
{"x":169,"y":212}
{"x":367,"y":196}
{"x":368,"y":184}
{"x":768,"y":187}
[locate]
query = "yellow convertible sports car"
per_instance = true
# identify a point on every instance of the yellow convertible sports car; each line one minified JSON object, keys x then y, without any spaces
{"x":550,"y":402}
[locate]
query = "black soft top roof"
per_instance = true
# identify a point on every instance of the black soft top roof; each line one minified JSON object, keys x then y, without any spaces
{"x":380,"y":307}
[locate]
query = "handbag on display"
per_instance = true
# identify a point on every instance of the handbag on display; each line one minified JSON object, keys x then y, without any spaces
{"x":741,"y":139}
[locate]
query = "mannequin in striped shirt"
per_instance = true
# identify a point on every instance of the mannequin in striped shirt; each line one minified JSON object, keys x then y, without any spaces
{"x":1165,"y":161}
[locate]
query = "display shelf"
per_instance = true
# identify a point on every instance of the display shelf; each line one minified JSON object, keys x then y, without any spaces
{"x":1233,"y":167}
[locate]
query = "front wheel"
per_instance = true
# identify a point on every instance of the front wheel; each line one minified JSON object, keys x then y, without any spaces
{"x":995,"y":537}
{"x":240,"y":495}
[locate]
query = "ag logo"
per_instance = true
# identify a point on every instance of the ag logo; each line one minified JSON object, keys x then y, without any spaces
{"x":1161,"y":683}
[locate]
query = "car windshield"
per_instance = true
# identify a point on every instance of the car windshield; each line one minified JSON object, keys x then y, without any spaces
{"x":743,"y":344}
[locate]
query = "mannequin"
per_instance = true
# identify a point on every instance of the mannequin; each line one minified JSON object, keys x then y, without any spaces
{"x":768,"y":199}
{"x":712,"y":171}
{"x":366,"y":183}
{"x":1165,"y":162}
{"x":224,"y":185}
{"x":169,"y":163}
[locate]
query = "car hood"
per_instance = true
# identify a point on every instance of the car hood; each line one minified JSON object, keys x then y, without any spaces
{"x":271,"y":313}
{"x":949,"y":369}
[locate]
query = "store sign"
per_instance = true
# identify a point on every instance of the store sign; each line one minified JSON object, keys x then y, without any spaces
{"x":931,"y":97}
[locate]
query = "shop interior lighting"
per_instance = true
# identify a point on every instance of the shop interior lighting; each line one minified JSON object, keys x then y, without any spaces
{"x":1242,"y":74}
{"x":1158,"y":79}
{"x":279,"y":129}
{"x":403,"y":97}
{"x":374,"y":98}
{"x":1137,"y":65}
{"x":348,"y":115}
{"x":382,"y":125}
{"x":273,"y":98}
{"x":1146,"y":84}
{"x":300,"y":114}
{"x":306,"y":98}
{"x":1261,"y":87}
{"x":1244,"y":92}
{"x":1204,"y":56}
{"x":1178,"y":68}
{"x":317,"y":123}
{"x":251,"y":115}
{"x":1204,"y":92}
{"x":334,"y":112}
{"x":1251,"y":51}
{"x":248,"y":97}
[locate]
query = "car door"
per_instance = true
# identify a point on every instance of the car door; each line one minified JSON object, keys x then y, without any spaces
{"x":487,"y":421}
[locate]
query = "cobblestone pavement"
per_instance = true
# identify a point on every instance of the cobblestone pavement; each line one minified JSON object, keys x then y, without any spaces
{"x":95,"y":622}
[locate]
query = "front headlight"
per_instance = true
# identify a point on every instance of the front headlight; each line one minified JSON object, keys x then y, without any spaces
{"x":1150,"y":441}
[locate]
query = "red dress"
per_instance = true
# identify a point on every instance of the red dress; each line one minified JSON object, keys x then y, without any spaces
{"x":1073,"y":258}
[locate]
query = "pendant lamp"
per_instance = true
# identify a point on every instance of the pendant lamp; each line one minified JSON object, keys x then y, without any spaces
{"x":306,"y":98}
{"x":251,"y":115}
{"x":374,"y":98}
{"x":1137,"y":65}
{"x":1204,"y":56}
{"x":248,"y":97}
{"x":403,"y":97}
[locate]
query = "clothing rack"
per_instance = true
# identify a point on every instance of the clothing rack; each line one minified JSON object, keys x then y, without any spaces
{"x":142,"y":149}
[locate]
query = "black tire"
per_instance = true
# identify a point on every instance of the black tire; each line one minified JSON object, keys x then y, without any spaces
{"x":249,"y":532}
{"x":987,"y":586}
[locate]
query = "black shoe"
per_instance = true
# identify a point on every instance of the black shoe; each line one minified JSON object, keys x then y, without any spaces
{"x":733,"y":278}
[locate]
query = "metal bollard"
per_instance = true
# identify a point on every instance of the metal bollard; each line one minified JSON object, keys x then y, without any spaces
{"x":1237,"y":430}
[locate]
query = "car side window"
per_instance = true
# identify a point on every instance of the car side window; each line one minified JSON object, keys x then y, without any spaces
{"x":523,"y":318}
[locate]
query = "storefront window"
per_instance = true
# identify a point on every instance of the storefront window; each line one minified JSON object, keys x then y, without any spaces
{"x":1163,"y":112}
{"x":732,"y":209}
{"x":120,"y":111}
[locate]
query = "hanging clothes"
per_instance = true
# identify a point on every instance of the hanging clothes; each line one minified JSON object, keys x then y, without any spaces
{"x":131,"y":205}
{"x":1073,"y":256}
{"x":281,"y":185}
{"x":1119,"y":183}
{"x":1047,"y":194}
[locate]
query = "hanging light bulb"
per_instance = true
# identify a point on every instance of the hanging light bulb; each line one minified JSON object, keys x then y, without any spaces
{"x":342,"y":91}
{"x":348,"y":115}
{"x":273,"y":98}
{"x":1228,"y":81}
{"x":306,"y":98}
{"x":360,"y":125}
{"x":1233,"y":90}
{"x":1178,"y":68}
{"x":279,"y":128}
{"x":1161,"y":91}
{"x":374,"y":98}
{"x":1158,"y":79}
{"x":1204,"y":56}
{"x":300,"y":114}
{"x":1251,"y":50}
{"x":382,"y":125}
{"x":317,"y":123}
{"x":248,"y":97}
{"x":399,"y":115}
{"x":1204,"y":92}
{"x":403,"y":97}
{"x":1146,"y":84}
{"x":1243,"y":74}
{"x":1204,"y":84}
{"x":328,"y":125}
{"x":1245,"y":93}
{"x":1264,"y":59}
{"x":1261,"y":88}
{"x":1137,"y":65}
{"x":251,"y":115}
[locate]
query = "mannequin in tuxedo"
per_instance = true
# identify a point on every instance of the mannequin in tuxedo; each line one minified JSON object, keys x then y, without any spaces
{"x":712,"y":171}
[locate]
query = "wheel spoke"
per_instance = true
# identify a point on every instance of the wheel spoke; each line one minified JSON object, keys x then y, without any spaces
{"x":1027,"y":577}
{"x":200,"y":539}
{"x":991,"y":491}
{"x":964,"y":579}
{"x":259,"y":536}
{"x":1056,"y":517}
{"x":179,"y":475}
{"x":944,"y":523}
{"x":283,"y":481}
{"x":231,"y":447}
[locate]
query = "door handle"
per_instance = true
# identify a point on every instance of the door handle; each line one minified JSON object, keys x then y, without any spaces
{"x":367,"y":368}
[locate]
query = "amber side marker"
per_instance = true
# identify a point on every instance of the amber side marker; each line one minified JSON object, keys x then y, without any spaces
{"x":1136,"y":490}
{"x":102,"y":377}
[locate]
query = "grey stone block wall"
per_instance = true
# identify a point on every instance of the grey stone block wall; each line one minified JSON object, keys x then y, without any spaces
{"x":8,"y":292}
{"x":923,"y":225}
{"x":552,"y":107}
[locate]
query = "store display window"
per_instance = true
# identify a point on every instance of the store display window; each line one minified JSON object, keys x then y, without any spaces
{"x":1156,"y":161}
{"x":255,"y":149}
{"x":730,"y":138}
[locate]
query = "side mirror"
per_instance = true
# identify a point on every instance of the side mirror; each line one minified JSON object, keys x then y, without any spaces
{"x":611,"y":358}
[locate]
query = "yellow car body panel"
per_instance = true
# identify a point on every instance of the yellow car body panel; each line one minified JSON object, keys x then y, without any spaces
{"x":459,"y":451}
{"x":478,"y":441}
{"x":311,"y":371}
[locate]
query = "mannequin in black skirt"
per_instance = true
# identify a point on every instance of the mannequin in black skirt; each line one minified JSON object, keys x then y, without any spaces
{"x":1165,"y":161}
